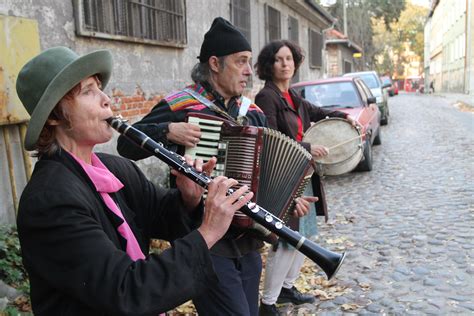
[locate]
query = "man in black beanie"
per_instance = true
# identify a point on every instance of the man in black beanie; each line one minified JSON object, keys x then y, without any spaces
{"x":220,"y":78}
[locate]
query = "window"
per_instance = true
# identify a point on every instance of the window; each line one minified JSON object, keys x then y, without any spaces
{"x":347,"y":66}
{"x":159,"y":22}
{"x":240,"y":12}
{"x":315,"y":49}
{"x":273,"y":24}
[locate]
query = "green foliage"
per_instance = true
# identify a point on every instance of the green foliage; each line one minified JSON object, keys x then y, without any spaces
{"x":387,"y":10}
{"x":12,"y":271}
{"x":359,"y":15}
{"x":404,"y":35}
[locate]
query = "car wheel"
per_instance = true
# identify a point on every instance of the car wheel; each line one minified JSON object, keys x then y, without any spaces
{"x":366,"y":163}
{"x":378,"y":138}
{"x":384,"y":120}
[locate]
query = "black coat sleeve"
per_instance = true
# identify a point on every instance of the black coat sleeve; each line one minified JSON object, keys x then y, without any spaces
{"x":155,"y":125}
{"x":72,"y":258}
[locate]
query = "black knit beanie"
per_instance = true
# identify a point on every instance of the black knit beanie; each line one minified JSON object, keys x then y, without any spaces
{"x":222,"y":39}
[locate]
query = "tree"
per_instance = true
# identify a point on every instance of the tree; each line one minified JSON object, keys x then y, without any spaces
{"x":387,"y":10}
{"x":406,"y":34}
{"x":359,"y":14}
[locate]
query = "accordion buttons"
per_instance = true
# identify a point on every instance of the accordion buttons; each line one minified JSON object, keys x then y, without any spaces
{"x":268,"y":218}
{"x":278,"y":225}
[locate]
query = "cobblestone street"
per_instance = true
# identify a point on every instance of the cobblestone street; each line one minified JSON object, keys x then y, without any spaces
{"x":408,"y":224}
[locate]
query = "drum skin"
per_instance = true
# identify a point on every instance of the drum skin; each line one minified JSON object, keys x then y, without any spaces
{"x":331,"y":132}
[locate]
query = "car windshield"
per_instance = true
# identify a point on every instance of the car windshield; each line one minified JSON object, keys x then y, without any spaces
{"x":337,"y":94}
{"x":370,"y":80}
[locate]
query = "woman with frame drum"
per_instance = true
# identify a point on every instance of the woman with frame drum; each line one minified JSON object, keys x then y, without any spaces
{"x":290,"y":114}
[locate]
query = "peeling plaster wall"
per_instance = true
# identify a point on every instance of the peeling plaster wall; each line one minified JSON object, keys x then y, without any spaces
{"x":144,"y":73}
{"x":152,"y":70}
{"x":156,"y":69}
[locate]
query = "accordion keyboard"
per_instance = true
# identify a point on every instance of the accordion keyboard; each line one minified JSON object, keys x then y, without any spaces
{"x":210,"y":145}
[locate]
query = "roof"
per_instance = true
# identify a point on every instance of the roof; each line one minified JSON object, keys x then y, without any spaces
{"x":320,"y":10}
{"x":335,"y":37}
{"x":312,"y":11}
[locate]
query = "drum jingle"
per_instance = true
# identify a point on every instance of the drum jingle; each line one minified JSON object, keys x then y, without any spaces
{"x":344,"y":142}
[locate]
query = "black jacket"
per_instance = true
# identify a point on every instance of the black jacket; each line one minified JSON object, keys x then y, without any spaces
{"x":282,"y":117}
{"x":75,"y":258}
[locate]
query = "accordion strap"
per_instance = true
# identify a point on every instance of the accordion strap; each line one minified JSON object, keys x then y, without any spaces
{"x":245,"y":104}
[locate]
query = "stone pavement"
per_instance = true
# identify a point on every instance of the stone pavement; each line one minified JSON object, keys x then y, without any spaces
{"x":408,"y":225}
{"x":457,"y":99}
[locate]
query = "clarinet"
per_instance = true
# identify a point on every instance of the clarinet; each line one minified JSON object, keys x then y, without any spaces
{"x":328,"y":261}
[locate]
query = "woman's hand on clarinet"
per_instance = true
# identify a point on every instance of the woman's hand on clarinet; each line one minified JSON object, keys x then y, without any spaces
{"x":303,"y":205}
{"x":191,"y":192}
{"x":185,"y":134}
{"x":220,"y":208}
{"x":319,"y":151}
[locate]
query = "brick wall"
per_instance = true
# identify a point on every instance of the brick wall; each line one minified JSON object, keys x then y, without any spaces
{"x":133,"y":107}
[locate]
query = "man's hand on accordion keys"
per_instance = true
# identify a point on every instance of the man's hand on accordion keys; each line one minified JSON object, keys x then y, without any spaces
{"x":185,"y":134}
{"x":220,"y":208}
{"x":303,"y":205}
{"x":191,"y":192}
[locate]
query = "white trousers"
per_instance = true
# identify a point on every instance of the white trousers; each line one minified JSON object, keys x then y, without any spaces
{"x":283,"y":266}
{"x":281,"y":270}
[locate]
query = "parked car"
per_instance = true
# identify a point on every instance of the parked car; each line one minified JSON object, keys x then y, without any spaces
{"x":375,"y":85}
{"x":352,"y":96}
{"x":392,"y":89}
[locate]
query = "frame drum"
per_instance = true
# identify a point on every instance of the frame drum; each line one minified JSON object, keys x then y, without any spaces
{"x":343,"y":141}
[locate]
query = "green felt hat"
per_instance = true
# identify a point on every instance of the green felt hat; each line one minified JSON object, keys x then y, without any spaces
{"x":46,"y":78}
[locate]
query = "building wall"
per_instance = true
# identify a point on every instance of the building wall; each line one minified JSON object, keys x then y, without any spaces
{"x":448,"y":46}
{"x":469,"y":86}
{"x":144,"y":73}
{"x":336,"y":55}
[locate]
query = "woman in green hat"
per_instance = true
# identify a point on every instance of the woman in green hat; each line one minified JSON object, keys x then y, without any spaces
{"x":85,"y":219}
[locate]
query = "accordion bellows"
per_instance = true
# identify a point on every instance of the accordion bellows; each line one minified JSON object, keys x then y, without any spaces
{"x":275,"y":167}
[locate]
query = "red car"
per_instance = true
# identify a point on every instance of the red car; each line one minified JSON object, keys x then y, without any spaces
{"x":350,"y":95}
{"x":393,"y":89}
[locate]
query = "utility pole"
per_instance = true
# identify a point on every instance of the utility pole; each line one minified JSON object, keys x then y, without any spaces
{"x":344,"y":16}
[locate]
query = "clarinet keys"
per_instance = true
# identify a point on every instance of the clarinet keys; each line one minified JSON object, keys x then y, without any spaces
{"x":253,"y":207}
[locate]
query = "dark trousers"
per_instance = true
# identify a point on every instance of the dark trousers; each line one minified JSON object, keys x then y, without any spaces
{"x":237,"y":290}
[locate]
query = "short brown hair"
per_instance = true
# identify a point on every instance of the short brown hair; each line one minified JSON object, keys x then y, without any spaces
{"x":266,"y":58}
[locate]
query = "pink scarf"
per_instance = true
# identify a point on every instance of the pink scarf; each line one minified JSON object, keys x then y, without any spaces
{"x":105,"y":182}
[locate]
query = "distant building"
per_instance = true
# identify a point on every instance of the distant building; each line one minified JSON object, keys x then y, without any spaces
{"x":154,"y":45}
{"x":448,"y":53}
{"x":339,"y":54}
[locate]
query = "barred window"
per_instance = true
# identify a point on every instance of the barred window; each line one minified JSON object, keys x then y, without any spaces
{"x":293,"y":31}
{"x":240,"y":11}
{"x":315,"y":49}
{"x":159,"y":22}
{"x":272,"y":24}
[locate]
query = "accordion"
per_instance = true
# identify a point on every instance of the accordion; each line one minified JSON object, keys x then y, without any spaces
{"x":275,"y":167}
